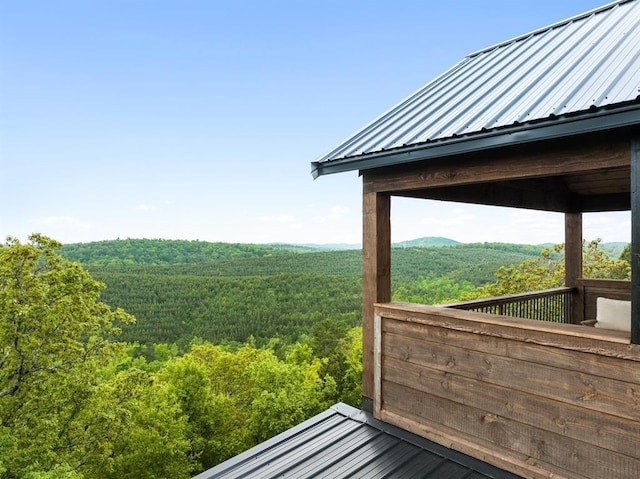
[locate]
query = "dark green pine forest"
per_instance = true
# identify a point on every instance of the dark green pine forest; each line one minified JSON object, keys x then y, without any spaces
{"x":180,"y":290}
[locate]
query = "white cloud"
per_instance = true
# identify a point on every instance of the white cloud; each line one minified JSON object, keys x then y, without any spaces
{"x":335,"y":213}
{"x":614,"y":226}
{"x":460,"y":219}
{"x":144,"y":207}
{"x":339,"y":211}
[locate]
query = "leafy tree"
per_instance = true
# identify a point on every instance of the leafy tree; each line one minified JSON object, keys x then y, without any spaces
{"x":625,"y":255}
{"x":214,"y":425}
{"x":138,"y":430}
{"x":598,"y":264}
{"x":63,"y":412}
{"x":340,"y":351}
{"x":433,"y":290}
{"x":349,"y":385}
{"x":53,"y":334}
{"x":547,"y":271}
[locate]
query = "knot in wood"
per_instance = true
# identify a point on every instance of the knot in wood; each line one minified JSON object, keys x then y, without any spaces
{"x":489,"y":418}
{"x":445,"y":383}
{"x":561,"y":422}
{"x":405,"y":353}
{"x":589,"y":394}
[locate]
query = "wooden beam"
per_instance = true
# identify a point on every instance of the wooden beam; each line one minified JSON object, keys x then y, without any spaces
{"x":548,"y":194}
{"x":608,"y":202}
{"x":635,"y":240}
{"x":376,"y":274}
{"x":505,"y":165}
{"x":573,"y":262}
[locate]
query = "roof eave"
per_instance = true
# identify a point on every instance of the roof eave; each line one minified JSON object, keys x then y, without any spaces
{"x":526,"y":133}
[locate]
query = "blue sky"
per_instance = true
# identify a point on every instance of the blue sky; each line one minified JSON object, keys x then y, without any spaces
{"x":198,"y":119}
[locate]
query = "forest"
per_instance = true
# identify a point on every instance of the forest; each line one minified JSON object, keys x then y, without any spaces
{"x":145,"y":368}
{"x":263,"y":292}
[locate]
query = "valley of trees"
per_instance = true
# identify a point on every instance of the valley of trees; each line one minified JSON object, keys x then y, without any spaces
{"x":271,"y":293}
{"x":121,"y":364}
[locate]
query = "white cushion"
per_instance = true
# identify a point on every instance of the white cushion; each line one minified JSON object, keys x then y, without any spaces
{"x":613,"y":314}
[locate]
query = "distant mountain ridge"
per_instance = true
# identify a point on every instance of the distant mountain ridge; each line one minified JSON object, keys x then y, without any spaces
{"x":129,"y":252}
{"x":427,"y":242}
{"x":424,"y":242}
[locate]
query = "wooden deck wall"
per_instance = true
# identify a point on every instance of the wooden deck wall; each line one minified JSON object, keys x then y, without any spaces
{"x":538,"y":399}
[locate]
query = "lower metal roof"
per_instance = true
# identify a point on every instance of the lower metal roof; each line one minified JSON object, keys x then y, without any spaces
{"x":344,"y":442}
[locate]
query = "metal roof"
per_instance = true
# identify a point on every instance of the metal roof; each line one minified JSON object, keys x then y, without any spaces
{"x":344,"y":442}
{"x":572,"y":77}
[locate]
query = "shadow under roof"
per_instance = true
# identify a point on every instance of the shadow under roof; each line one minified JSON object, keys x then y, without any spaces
{"x":344,"y":442}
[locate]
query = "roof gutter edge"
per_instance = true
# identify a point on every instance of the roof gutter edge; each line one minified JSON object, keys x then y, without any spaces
{"x":495,"y":139}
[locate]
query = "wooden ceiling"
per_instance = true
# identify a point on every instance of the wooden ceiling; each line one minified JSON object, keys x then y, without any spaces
{"x":584,"y":175}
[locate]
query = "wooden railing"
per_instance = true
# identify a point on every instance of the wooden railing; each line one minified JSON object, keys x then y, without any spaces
{"x":549,"y":305}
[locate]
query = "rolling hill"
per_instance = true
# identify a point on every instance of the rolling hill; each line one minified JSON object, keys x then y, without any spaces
{"x":181,"y":290}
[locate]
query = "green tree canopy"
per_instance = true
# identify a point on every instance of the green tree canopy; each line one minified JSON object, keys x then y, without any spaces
{"x":60,"y":414}
{"x":547,"y":271}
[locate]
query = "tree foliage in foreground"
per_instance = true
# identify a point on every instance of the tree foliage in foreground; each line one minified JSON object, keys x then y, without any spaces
{"x":58,"y":417}
{"x":548,"y":270}
{"x":75,"y":404}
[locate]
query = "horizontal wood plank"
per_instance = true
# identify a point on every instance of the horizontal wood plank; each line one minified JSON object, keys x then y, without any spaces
{"x":580,"y":361}
{"x":502,"y":165}
{"x":614,"y":397}
{"x":487,"y":452}
{"x":616,"y":434}
{"x":574,"y":458}
{"x":566,"y":336}
{"x":561,"y":399}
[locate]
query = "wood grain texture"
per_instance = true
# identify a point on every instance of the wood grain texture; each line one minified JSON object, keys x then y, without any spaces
{"x":581,"y":159}
{"x":485,"y":451}
{"x":566,"y":336}
{"x":635,"y":237}
{"x":557,"y":357}
{"x":522,"y":390}
{"x":542,"y":448}
{"x":376,"y":273}
{"x":560,"y":418}
{"x":573,"y":262}
{"x":589,"y":391}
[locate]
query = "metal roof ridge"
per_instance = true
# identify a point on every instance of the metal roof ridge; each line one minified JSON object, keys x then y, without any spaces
{"x":539,"y":31}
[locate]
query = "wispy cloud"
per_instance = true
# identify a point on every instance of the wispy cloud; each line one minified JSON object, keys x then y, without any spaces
{"x":335,"y":212}
{"x":144,"y":207}
{"x":281,"y":218}
{"x":456,"y":220}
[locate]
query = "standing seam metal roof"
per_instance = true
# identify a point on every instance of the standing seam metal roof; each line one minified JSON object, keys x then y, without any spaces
{"x":582,"y":68}
{"x":344,"y":442}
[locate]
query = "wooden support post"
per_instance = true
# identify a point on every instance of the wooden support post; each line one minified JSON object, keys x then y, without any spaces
{"x":573,"y":262}
{"x":376,"y":276}
{"x":635,"y":240}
